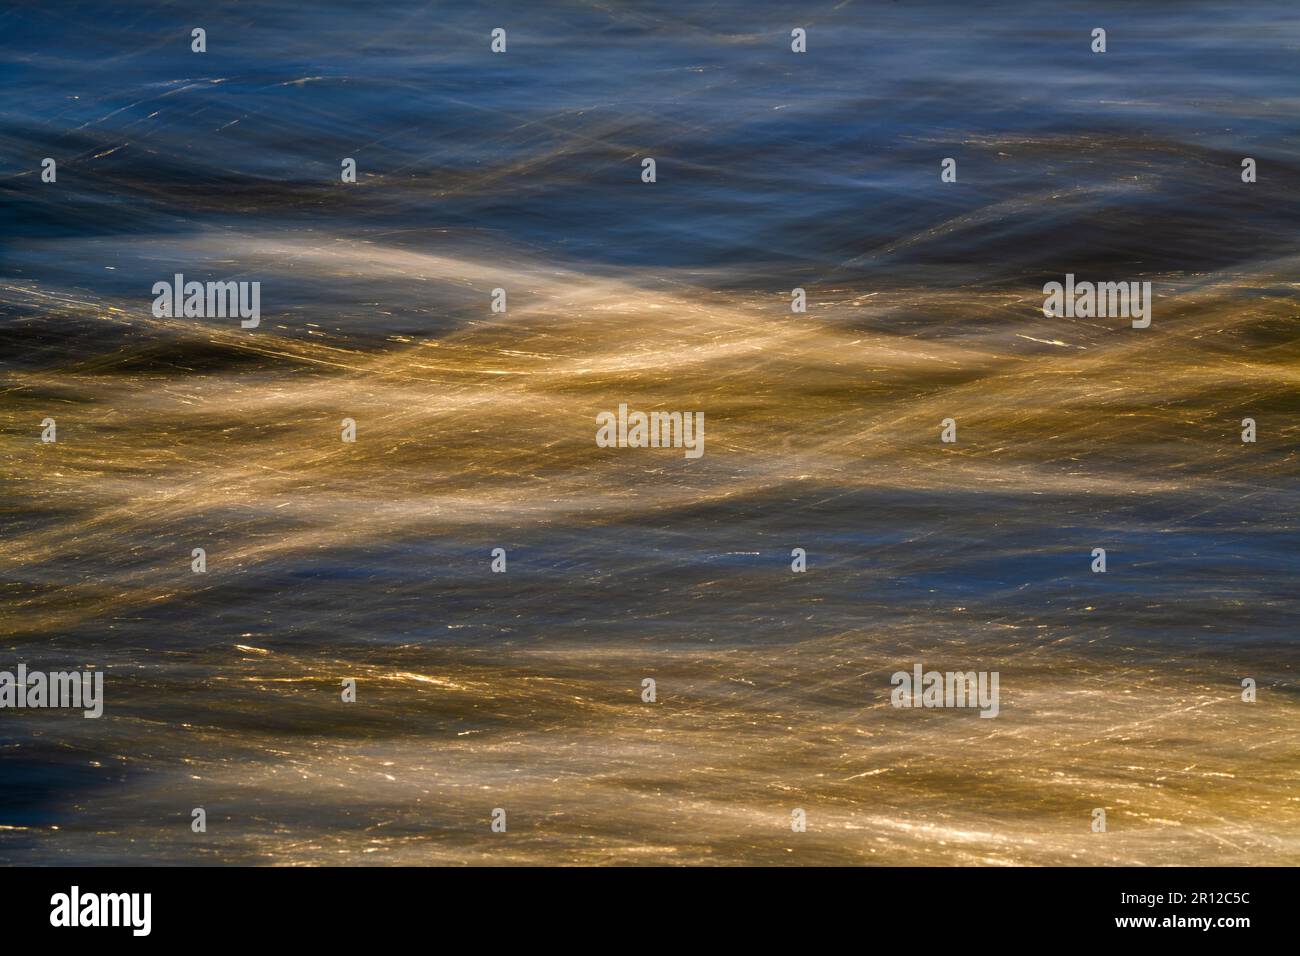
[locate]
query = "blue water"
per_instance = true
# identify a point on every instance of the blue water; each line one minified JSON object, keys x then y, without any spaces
{"x":522,"y":171}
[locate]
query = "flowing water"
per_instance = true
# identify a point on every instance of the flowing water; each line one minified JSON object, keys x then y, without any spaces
{"x":477,"y":690}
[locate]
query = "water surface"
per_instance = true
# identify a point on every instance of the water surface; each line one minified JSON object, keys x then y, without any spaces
{"x":475,"y":431}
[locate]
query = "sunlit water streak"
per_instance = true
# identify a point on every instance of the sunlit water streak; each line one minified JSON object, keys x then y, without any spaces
{"x":476,"y":431}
